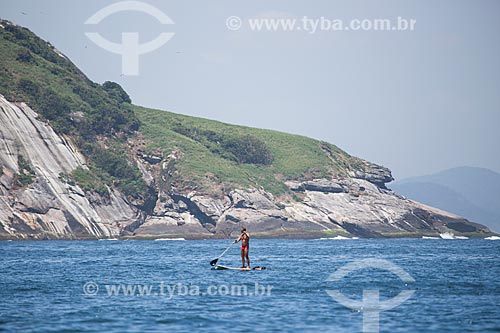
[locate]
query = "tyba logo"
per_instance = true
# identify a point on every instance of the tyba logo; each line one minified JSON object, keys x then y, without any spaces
{"x":130,"y":49}
{"x":371,"y":305}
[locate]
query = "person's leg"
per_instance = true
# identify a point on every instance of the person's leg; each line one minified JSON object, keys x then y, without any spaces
{"x":246,"y":256}
{"x":242,"y":258}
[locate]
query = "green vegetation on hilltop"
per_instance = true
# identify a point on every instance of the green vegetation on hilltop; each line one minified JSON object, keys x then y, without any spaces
{"x":208,"y":158}
{"x":32,"y":71}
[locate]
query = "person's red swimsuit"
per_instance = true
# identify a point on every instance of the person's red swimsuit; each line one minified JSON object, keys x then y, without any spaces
{"x":244,"y":247}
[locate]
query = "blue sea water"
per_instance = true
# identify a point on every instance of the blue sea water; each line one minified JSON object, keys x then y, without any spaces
{"x":64,"y":286}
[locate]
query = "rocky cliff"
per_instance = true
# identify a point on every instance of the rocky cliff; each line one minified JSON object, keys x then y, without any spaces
{"x":78,"y":160}
{"x":48,"y":206}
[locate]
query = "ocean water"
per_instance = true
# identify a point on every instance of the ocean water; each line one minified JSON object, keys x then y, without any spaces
{"x":81,"y":286}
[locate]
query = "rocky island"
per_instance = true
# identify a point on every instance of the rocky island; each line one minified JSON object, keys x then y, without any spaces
{"x":78,"y":160}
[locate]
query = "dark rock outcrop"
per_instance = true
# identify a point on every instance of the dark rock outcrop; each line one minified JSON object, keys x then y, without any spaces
{"x":318,"y":185}
{"x":375,"y":174}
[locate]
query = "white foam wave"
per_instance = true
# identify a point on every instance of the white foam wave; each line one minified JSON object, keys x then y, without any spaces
{"x":338,"y":238}
{"x":170,"y":239}
{"x":449,"y":235}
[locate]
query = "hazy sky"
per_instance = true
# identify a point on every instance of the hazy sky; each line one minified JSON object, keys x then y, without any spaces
{"x":415,"y":101}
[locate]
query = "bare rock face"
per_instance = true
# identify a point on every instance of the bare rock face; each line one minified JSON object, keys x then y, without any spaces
{"x":174,"y":224}
{"x":211,"y":207}
{"x":349,"y":206}
{"x":48,"y":206}
{"x":252,"y":199}
{"x":367,"y":210}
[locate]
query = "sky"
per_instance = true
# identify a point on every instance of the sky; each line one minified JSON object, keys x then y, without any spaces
{"x":416,"y":101}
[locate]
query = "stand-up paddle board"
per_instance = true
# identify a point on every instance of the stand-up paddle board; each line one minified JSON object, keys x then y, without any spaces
{"x":221,"y":268}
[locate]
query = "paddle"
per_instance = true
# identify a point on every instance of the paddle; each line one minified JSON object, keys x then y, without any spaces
{"x":214,"y":262}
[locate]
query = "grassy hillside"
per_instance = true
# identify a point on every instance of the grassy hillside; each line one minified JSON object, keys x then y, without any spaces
{"x":206,"y":157}
{"x":33,"y":71}
{"x":101,"y":119}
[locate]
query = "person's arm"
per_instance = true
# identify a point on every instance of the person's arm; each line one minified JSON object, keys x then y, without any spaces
{"x":237,"y":240}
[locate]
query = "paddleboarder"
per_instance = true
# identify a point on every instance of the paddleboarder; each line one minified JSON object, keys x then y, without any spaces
{"x":245,"y":244}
